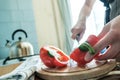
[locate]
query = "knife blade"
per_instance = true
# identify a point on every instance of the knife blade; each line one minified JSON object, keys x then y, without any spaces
{"x":72,"y":63}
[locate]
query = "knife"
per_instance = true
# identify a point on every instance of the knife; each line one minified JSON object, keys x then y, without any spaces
{"x":78,"y":37}
{"x":76,"y":42}
{"x":75,"y":45}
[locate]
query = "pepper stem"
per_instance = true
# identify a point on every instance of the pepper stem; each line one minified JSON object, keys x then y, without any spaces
{"x":87,"y":47}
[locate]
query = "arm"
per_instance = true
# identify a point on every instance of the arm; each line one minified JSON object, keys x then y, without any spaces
{"x":80,"y":26}
{"x":86,"y":10}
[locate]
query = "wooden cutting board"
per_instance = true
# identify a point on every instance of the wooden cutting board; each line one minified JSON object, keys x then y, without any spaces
{"x":90,"y":70}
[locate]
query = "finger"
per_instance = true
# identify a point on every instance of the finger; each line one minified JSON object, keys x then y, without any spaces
{"x":73,"y":36}
{"x":101,"y":44}
{"x":88,"y":56}
{"x":108,"y":39}
{"x":79,"y":28}
{"x":74,"y":33}
{"x":111,"y":52}
{"x":77,"y":34}
{"x":105,"y":29}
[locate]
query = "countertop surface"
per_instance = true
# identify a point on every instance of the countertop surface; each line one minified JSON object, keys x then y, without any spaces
{"x":13,"y":64}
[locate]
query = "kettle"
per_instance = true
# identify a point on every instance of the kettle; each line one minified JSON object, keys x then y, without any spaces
{"x":19,"y":48}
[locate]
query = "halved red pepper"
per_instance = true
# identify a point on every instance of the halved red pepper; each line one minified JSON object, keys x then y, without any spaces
{"x":53,"y":57}
{"x":79,"y":53}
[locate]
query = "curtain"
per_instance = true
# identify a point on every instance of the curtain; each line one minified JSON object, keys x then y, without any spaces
{"x":65,"y":11}
{"x":53,"y":22}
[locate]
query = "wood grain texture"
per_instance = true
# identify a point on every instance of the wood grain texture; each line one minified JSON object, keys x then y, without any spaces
{"x":8,"y":68}
{"x":92,"y":70}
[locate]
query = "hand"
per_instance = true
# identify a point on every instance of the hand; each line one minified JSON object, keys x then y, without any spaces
{"x":79,"y":28}
{"x":110,"y":35}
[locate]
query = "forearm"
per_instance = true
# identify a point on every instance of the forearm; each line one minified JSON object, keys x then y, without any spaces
{"x":86,"y":10}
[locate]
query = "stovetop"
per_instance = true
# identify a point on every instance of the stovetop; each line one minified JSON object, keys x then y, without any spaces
{"x":13,"y":61}
{"x":4,"y":62}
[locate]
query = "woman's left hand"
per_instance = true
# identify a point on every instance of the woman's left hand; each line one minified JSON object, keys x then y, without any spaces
{"x":110,"y":35}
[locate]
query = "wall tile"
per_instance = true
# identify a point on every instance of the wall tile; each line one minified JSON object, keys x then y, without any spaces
{"x":16,"y":14}
{"x":28,"y":15}
{"x":8,"y":5}
{"x":25,"y":4}
{"x":5,"y":16}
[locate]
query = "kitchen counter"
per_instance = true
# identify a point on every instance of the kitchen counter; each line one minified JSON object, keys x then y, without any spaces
{"x":9,"y":66}
{"x":4,"y":69}
{"x":13,"y":66}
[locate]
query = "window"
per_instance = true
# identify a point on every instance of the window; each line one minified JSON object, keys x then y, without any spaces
{"x":96,"y":20}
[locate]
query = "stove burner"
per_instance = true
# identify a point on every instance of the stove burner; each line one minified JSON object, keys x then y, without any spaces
{"x":8,"y":58}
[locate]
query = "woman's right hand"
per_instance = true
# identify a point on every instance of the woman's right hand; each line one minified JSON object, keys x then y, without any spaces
{"x":78,"y":30}
{"x":80,"y":27}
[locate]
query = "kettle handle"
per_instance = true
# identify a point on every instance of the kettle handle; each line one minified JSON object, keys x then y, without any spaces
{"x":21,"y":30}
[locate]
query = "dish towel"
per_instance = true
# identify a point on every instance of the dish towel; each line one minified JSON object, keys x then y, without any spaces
{"x":24,"y":71}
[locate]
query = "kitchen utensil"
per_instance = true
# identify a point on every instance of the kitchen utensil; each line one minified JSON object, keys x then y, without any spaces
{"x":75,"y":45}
{"x":92,"y":70}
{"x":19,"y":48}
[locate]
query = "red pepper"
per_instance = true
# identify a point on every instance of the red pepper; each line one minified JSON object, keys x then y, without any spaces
{"x":53,"y":57}
{"x":92,"y":40}
{"x":79,"y":53}
{"x":78,"y":56}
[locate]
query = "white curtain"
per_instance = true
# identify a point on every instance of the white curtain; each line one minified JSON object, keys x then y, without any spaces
{"x":53,"y":23}
{"x":95,"y":21}
{"x":65,"y":11}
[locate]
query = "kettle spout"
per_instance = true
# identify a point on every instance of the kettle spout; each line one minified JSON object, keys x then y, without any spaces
{"x":8,"y":44}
